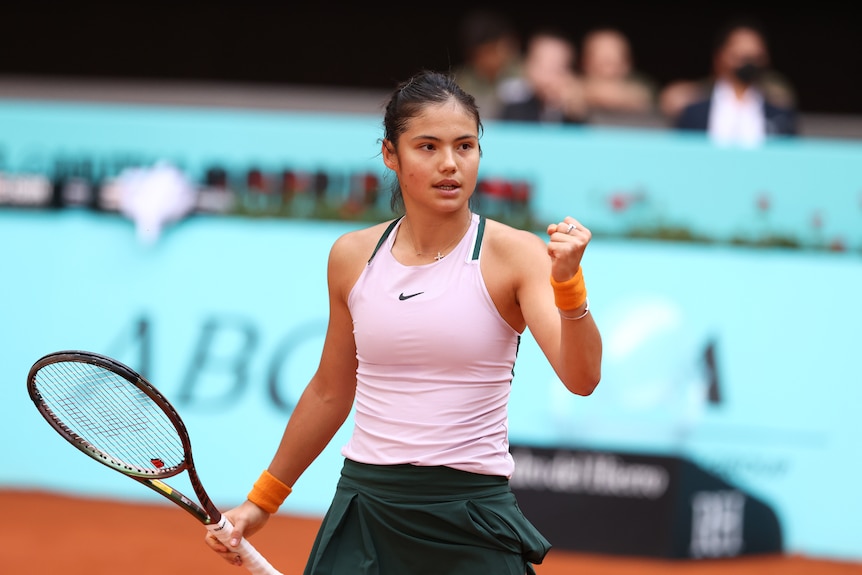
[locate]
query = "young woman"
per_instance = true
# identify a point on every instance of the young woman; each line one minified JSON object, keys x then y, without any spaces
{"x":426,"y":314}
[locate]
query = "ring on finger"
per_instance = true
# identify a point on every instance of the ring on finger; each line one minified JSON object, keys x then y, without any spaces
{"x":570,"y":228}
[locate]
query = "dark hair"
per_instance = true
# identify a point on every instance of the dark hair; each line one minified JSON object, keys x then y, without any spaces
{"x":409,"y":100}
{"x":482,"y":26}
{"x":551,"y":30}
{"x":732,"y":25}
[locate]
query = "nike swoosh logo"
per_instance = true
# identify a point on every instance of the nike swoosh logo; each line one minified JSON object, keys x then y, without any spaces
{"x":402,"y":297}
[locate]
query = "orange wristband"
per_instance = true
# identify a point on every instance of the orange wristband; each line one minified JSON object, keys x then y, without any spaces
{"x":571,"y":293}
{"x":268,"y":492}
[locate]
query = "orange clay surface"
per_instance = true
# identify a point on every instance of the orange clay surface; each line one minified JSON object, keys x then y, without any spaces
{"x":46,"y":533}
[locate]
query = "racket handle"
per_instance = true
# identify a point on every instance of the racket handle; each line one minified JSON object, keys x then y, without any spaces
{"x":251,"y":557}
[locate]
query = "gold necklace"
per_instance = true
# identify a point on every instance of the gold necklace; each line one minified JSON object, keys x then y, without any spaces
{"x":440,"y":255}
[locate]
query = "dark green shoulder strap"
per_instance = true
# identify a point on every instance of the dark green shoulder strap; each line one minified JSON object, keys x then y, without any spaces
{"x":383,"y":237}
{"x":477,"y":247}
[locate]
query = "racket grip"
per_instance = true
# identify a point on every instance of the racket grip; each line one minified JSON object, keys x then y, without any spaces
{"x":251,"y":557}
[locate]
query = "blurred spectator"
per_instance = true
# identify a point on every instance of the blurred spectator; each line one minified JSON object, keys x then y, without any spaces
{"x":611,"y":81}
{"x":678,"y":94}
{"x":743,"y":101}
{"x":550,"y":89}
{"x":491,"y":49}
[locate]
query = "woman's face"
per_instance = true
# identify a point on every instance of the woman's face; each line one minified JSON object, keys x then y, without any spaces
{"x":606,"y":56}
{"x":744,"y":46}
{"x":548,"y":66}
{"x":437,"y":157}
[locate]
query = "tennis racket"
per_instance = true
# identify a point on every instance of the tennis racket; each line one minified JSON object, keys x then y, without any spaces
{"x":118,"y":418}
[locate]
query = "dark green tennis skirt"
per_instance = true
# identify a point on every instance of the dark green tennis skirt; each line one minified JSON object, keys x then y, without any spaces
{"x":411,"y":520}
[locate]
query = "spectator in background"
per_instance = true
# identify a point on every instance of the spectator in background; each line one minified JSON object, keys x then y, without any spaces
{"x":612,"y":85}
{"x":678,"y":94}
{"x":550,"y":89}
{"x":743,"y":101}
{"x":491,"y":49}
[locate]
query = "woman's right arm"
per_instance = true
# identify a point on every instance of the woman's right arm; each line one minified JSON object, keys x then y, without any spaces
{"x":326,"y":401}
{"x":328,"y":398}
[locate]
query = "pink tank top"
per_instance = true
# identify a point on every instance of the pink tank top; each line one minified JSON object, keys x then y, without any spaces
{"x":435,"y":360}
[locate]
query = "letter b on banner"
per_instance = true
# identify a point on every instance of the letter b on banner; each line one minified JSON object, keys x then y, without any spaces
{"x":220,"y":363}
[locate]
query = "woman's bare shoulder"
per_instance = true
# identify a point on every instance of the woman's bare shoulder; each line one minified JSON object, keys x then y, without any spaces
{"x":513,"y":242}
{"x":509,"y":255}
{"x":358,"y":245}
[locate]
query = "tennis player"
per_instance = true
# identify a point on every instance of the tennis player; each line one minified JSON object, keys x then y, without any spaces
{"x":426,"y":314}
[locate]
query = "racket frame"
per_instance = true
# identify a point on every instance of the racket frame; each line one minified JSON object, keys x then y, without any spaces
{"x":205,"y":512}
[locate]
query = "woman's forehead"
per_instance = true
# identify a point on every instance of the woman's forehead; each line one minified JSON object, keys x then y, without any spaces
{"x":443,"y":115}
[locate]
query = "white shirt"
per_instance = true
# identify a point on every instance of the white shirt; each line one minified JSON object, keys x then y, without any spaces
{"x":736,"y":121}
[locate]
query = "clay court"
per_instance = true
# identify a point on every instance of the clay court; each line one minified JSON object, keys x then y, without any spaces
{"x":55,"y":534}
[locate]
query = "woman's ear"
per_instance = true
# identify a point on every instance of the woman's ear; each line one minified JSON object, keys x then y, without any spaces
{"x":390,"y":158}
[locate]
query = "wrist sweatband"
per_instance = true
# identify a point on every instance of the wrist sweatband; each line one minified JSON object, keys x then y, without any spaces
{"x":268,"y":492}
{"x":571,"y":293}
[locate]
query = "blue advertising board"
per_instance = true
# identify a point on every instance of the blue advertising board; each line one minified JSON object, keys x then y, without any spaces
{"x":738,"y":357}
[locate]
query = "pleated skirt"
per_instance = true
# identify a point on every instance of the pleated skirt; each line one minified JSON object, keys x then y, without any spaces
{"x":411,"y":520}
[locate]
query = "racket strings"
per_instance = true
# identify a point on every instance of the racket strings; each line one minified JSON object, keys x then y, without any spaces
{"x":111,"y":415}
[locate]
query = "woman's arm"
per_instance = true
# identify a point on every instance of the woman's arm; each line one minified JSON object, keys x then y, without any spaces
{"x":327,"y":399}
{"x":520,"y":268}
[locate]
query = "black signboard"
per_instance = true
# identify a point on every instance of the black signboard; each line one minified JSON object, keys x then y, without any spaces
{"x":635,"y":504}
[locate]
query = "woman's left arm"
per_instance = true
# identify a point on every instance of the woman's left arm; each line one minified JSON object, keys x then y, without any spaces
{"x":558,"y":315}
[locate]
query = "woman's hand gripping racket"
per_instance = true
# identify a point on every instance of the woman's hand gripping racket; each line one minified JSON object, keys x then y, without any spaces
{"x":115,"y":416}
